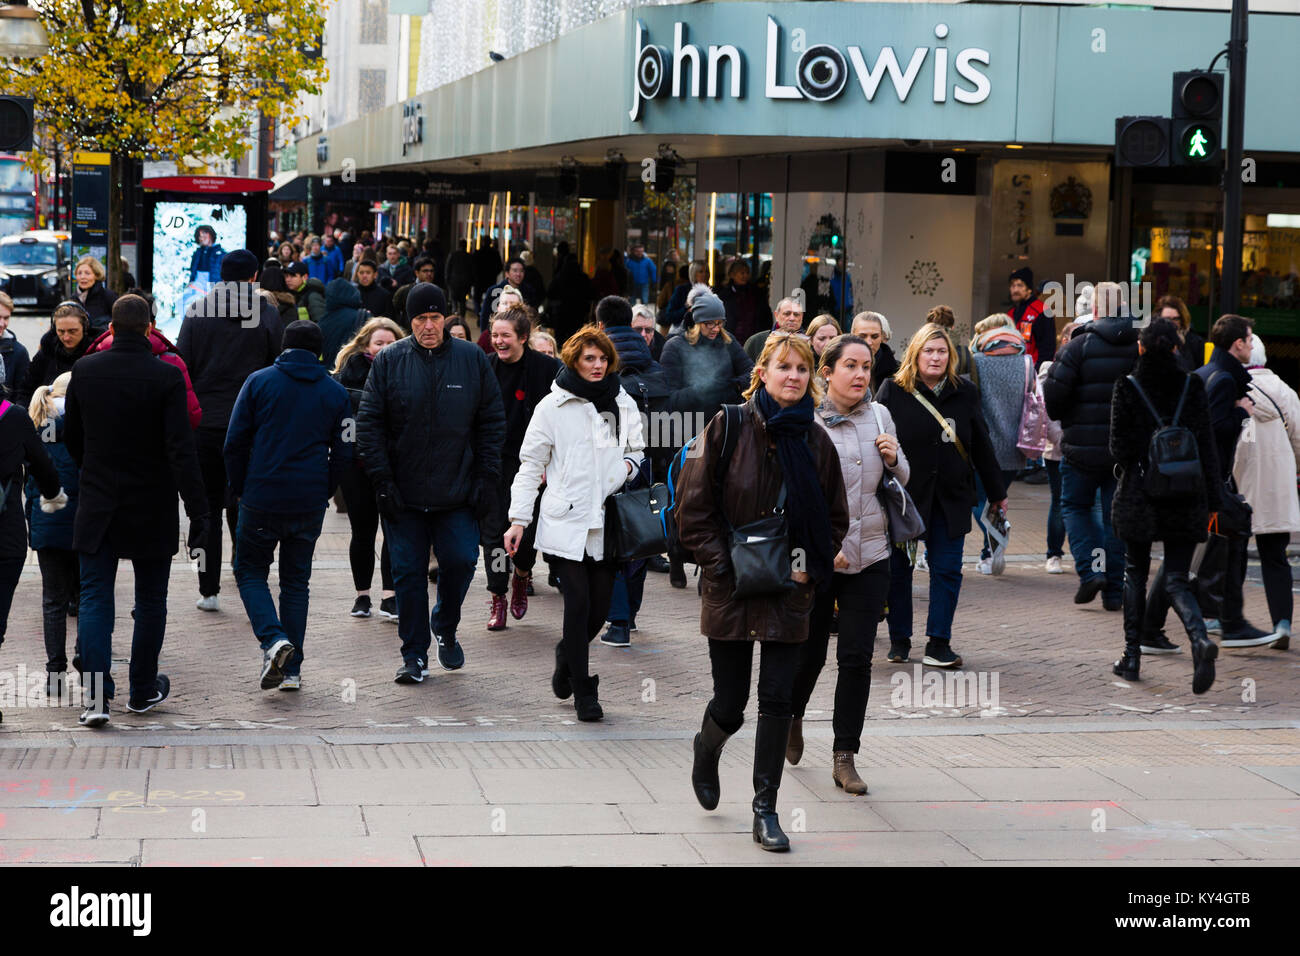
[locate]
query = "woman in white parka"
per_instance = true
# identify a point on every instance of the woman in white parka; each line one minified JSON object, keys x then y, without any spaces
{"x":585,"y":460}
{"x":1268,"y":458}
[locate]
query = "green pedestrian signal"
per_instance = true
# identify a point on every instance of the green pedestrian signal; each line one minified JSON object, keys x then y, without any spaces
{"x":1198,"y":143}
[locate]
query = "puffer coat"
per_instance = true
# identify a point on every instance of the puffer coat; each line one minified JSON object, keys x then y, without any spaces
{"x":854,"y":435}
{"x":752,"y":487}
{"x":584,"y":464}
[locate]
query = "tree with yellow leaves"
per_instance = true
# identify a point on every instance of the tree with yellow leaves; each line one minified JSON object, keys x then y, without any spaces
{"x":158,"y":79}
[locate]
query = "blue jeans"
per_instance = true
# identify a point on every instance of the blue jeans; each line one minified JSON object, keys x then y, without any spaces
{"x":256,"y":537}
{"x":981,"y":499}
{"x":628,"y":591}
{"x":943,"y":553}
{"x":1092,"y":536}
{"x":95,"y":622}
{"x":1055,"y":523}
{"x":454,"y":537}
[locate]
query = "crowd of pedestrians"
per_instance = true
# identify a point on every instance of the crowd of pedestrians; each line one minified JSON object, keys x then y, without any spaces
{"x":348,"y":368}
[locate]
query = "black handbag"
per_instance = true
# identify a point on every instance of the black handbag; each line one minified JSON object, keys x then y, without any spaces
{"x":1209,"y":572}
{"x":760,"y":555}
{"x":1234,"y":512}
{"x":904,"y":519}
{"x":633,"y":527}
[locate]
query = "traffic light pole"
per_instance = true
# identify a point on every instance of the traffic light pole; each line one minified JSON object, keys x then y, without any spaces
{"x":1230,"y":286}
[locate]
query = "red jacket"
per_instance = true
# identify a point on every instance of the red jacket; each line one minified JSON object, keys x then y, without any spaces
{"x":167,"y":352}
{"x":1026,"y":327}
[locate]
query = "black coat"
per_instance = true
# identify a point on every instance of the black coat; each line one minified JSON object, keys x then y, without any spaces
{"x":128,"y":429}
{"x":50,"y":361}
{"x":941,"y":477}
{"x":883,"y":366}
{"x":16,"y":364}
{"x":432,"y":422}
{"x":377,"y":300}
{"x":20,"y":444}
{"x":539,"y":373}
{"x":98,"y":304}
{"x":1135,"y":516}
{"x":705,"y":376}
{"x":1079,"y":387}
{"x":1226,"y":383}
{"x":221,"y":352}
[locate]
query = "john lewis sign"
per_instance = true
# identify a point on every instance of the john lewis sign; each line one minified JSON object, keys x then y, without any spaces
{"x":794,"y":69}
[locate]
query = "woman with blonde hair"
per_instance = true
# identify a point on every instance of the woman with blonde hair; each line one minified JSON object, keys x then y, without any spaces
{"x":50,"y":535}
{"x":92,"y":293}
{"x":543,"y":342}
{"x":351,"y":369}
{"x":586,"y":437}
{"x":781,"y":463}
{"x":946,"y":441}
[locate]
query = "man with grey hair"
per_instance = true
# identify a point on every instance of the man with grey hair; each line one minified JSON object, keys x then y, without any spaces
{"x":1078,"y":392}
{"x":788,"y":318}
{"x":643,"y":321}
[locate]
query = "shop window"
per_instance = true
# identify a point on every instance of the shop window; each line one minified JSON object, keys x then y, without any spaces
{"x":664,"y":223}
{"x":374,"y":21}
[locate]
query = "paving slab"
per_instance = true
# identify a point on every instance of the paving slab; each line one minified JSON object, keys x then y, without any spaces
{"x":381,"y":787}
{"x":860,"y":849}
{"x":29,"y":823}
{"x":673,"y":785}
{"x":1182,"y":783}
{"x":1039,"y":783}
{"x":64,"y":851}
{"x":227,"y":822}
{"x":510,"y":850}
{"x":1261,"y":843}
{"x":1131,"y":843}
{"x":886,"y":784}
{"x":615,"y":785}
{"x":1003,"y":815}
{"x":1288,"y":777}
{"x":1216,"y":814}
{"x":739,"y":817}
{"x":321,"y":851}
{"x":250,"y":788}
{"x":514,"y":820}
{"x":70,"y":790}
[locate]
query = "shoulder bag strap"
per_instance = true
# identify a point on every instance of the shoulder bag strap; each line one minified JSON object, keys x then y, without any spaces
{"x":1252,"y":385}
{"x":1143,"y":395}
{"x":943,"y":423}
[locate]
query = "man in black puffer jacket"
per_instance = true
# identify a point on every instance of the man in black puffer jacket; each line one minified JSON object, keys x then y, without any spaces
{"x":227,"y":336}
{"x":429,"y":432}
{"x":1078,"y":393}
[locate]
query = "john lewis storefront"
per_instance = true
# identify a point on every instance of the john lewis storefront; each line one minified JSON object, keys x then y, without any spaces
{"x":925,"y":149}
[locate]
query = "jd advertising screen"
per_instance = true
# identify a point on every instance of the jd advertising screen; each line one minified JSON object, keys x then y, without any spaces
{"x":190,"y":239}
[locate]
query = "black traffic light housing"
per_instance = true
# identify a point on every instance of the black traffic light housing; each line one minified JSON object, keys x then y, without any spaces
{"x":16,"y":124}
{"x":1196,"y":130}
{"x":1142,"y":141}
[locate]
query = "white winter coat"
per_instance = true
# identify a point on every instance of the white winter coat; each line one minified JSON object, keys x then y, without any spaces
{"x":1267,"y":461}
{"x":584,"y":464}
{"x":854,"y":436}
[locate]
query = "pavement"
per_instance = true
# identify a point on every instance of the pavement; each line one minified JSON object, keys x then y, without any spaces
{"x":1038,"y":754}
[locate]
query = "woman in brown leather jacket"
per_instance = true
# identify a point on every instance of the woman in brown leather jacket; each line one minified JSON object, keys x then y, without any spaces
{"x":778,"y":444}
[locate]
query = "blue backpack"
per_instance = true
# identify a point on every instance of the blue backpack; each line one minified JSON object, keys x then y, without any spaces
{"x":668,"y":516}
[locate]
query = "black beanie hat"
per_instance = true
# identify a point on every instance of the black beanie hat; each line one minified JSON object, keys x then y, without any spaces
{"x":1025,"y":275}
{"x":425,"y":297}
{"x":304,"y":335}
{"x":239,"y":266}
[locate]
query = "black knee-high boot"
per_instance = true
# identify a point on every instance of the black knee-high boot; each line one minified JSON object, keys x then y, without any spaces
{"x":708,"y":751}
{"x":1135,"y":606}
{"x":1204,"y":650}
{"x":769,"y":760}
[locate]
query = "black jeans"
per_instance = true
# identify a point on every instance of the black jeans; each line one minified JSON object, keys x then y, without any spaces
{"x":60,"y":579}
{"x":363,"y":518}
{"x":13,"y":551}
{"x":212,"y":465}
{"x":733,"y":663}
{"x":861,"y":598}
{"x":1276,"y":571}
{"x":586,"y":586}
{"x":495,"y":559}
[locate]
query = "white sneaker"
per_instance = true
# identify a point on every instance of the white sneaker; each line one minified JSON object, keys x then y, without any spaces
{"x":291,"y":682}
{"x":985,"y":566}
{"x":210,"y":603}
{"x":1053,"y":566}
{"x":921,"y":563}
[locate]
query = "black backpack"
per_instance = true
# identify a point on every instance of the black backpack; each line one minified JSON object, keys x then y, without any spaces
{"x":649,"y":389}
{"x":1173,"y":465}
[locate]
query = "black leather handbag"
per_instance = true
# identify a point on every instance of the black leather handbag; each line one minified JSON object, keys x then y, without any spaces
{"x":760,"y":555}
{"x":634,"y":530}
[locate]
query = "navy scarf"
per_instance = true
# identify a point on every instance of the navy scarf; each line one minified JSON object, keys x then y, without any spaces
{"x":807,"y":513}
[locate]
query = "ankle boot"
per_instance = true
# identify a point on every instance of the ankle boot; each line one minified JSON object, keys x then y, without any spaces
{"x":560,"y":684}
{"x":1204,"y":650}
{"x":708,"y":751}
{"x":585,"y":701}
{"x":794,"y":748}
{"x":519,"y":595}
{"x":845,"y":774}
{"x":497,"y":615}
{"x":676,"y":572}
{"x":769,"y":760}
{"x":1135,"y":603}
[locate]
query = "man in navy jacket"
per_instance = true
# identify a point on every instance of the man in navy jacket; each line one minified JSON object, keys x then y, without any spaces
{"x":289,"y":442}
